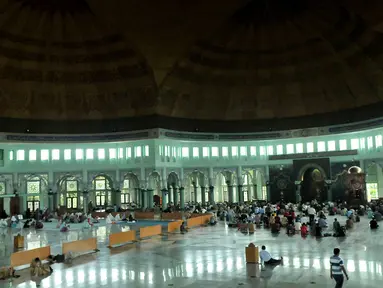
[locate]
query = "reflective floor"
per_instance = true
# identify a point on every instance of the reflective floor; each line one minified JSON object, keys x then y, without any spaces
{"x":209,"y":257}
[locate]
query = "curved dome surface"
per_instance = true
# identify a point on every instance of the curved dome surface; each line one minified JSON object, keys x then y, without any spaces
{"x":279,"y":61}
{"x":58,"y":62}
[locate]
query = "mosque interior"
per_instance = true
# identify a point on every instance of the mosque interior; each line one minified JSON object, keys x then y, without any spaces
{"x":158,"y":102}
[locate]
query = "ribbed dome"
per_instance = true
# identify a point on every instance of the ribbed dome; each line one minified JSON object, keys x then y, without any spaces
{"x":58,"y":62}
{"x":282,"y":59}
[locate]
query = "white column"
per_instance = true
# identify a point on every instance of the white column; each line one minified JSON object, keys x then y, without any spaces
{"x":379,"y":176}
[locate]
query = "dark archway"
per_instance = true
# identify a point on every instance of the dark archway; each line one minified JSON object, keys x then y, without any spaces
{"x":313,"y":185}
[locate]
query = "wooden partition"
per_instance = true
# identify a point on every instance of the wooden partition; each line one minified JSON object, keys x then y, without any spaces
{"x":195,"y":221}
{"x":150,"y":231}
{"x":171,"y":216}
{"x":121,"y":238}
{"x":144,"y":215}
{"x":80,"y":246}
{"x":174,"y":226}
{"x":25,"y":257}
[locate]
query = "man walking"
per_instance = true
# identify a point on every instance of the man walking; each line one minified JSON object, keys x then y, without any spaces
{"x":337,"y":269}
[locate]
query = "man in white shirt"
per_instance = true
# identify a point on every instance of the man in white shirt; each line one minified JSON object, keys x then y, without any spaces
{"x":266,"y":257}
{"x":311,"y":211}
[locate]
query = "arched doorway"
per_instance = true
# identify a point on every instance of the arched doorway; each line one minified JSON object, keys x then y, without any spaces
{"x":248,"y":187}
{"x":221,"y":190}
{"x":313,"y":185}
{"x":154,"y":184}
{"x":36,"y":186}
{"x":129,"y":190}
{"x":261,"y":188}
{"x":173,"y":185}
{"x":102,"y":190}
{"x":374,"y":178}
{"x":69,"y":193}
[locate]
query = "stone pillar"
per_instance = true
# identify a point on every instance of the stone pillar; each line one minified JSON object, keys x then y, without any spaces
{"x":169,"y":189}
{"x":255,"y":191}
{"x":298,"y":191}
{"x":117,"y":197}
{"x":164,"y":199}
{"x":211,"y":194}
{"x":182,"y":198}
{"x":203,"y":198}
{"x":143,"y":199}
{"x":150,"y":198}
{"x":85,"y":201}
{"x":379,"y":176}
{"x":240,"y":194}
{"x":231,"y":193}
{"x":195,"y":193}
{"x":175,"y":195}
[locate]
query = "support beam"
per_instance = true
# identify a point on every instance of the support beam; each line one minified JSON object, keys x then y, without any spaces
{"x":164,"y":199}
{"x":231,"y":193}
{"x":182,"y":198}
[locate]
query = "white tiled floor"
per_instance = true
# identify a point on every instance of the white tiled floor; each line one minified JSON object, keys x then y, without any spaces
{"x":210,"y":257}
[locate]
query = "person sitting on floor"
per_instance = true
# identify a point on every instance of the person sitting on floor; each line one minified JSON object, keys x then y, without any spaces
{"x":275,"y":228}
{"x":38,"y":225}
{"x":267,"y":259}
{"x":318,"y":230}
{"x":64,"y":227}
{"x":7,"y":272}
{"x":290,"y":229}
{"x":3,"y":223}
{"x":117,"y":218}
{"x":110,"y":219}
{"x":183,"y":228}
{"x":304,"y":230}
{"x":27,"y":223}
{"x":322,"y":223}
{"x":374,"y":224}
{"x":212,"y":221}
{"x":39,"y":269}
{"x":349,"y":223}
{"x":131,"y":219}
{"x":297,"y":226}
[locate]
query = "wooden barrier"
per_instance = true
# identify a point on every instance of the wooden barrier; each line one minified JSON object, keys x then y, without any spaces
{"x":174,"y":226}
{"x":143,"y":215}
{"x":199,"y":221}
{"x":150,"y":231}
{"x":80,"y":246}
{"x":195,"y":221}
{"x":120,"y":238}
{"x":25,"y":257}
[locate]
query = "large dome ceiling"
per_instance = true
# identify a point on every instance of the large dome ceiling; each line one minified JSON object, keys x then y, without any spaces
{"x":232,"y":65}
{"x":58,"y":62}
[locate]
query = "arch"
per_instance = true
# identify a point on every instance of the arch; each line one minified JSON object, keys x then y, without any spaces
{"x":248,"y":185}
{"x":194,"y":179}
{"x":173,"y":179}
{"x":36,"y":188}
{"x":69,"y":192}
{"x":154,"y":182}
{"x":313,"y":166}
{"x":102,"y":188}
{"x":129,"y":193}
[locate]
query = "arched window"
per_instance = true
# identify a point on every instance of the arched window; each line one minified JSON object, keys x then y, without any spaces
{"x":33,"y":191}
{"x":70,"y":196}
{"x":125,"y":193}
{"x":101,"y":186}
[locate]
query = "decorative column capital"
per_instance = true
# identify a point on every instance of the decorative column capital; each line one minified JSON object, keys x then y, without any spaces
{"x":182,"y":188}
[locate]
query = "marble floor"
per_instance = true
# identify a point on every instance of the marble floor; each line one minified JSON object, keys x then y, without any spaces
{"x":209,"y":257}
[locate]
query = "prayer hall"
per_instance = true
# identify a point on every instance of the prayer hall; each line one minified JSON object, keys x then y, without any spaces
{"x":190,"y":144}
